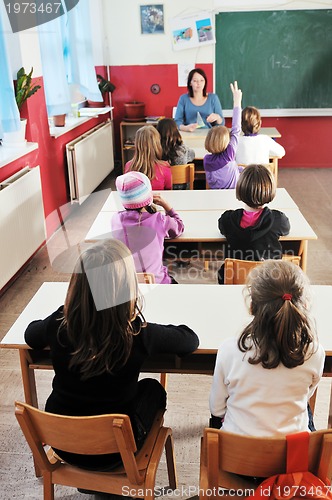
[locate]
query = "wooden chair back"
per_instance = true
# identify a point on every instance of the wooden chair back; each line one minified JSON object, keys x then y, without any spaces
{"x":237,"y":270}
{"x":97,"y":435}
{"x":226,"y":457}
{"x":272,"y":166}
{"x":183,"y":174}
{"x":147,"y":278}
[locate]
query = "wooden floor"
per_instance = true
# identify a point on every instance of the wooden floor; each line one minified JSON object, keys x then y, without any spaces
{"x":187,"y":394}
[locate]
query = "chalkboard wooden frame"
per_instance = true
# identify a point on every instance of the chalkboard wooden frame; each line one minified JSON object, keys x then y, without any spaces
{"x":281,"y":59}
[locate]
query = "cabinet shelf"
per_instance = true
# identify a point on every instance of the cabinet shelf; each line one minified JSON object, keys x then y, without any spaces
{"x":127,"y":137}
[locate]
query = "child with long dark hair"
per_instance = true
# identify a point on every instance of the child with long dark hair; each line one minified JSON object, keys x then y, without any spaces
{"x":174,"y":150}
{"x":99,"y":341}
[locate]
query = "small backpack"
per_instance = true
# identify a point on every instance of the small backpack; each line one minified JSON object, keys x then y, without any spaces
{"x":297,"y":482}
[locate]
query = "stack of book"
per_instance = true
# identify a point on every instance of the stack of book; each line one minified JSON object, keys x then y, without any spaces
{"x":153,"y":119}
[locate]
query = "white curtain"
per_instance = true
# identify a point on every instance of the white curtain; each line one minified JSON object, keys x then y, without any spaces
{"x":9,"y":114}
{"x":78,"y":50}
{"x":66,"y":53}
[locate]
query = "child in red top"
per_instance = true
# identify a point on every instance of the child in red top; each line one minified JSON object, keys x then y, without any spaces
{"x":148,"y":158}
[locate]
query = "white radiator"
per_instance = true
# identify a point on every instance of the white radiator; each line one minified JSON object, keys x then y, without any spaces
{"x":90,"y":159}
{"x":22,"y":222}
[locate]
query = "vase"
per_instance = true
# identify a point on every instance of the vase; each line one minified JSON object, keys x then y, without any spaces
{"x":134,"y":111}
{"x":16,"y":138}
{"x":59,"y":120}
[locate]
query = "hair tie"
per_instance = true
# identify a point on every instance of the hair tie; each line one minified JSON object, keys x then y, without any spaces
{"x":287,"y":296}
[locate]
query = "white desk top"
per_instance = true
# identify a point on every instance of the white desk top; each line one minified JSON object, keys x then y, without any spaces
{"x":214,"y":312}
{"x":205,"y":199}
{"x":202,"y":226}
{"x":196,"y":139}
{"x":202,"y":133}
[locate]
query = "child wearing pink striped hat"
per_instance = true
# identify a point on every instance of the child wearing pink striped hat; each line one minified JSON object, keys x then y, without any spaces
{"x":141,"y":227}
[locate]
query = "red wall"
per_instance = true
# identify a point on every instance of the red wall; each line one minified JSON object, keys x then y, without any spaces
{"x":305,"y":139}
{"x":50,"y":155}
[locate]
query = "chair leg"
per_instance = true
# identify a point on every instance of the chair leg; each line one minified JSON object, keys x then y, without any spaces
{"x":48,"y":487}
{"x":163,"y":380}
{"x":170,"y":460}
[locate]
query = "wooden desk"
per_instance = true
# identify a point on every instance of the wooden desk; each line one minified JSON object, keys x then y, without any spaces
{"x":212,"y":327}
{"x":214,"y":199}
{"x":201,"y":133}
{"x":195,"y":140}
{"x":202,"y":227}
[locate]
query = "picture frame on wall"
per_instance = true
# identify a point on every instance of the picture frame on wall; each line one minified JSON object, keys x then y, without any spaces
{"x":152,"y":19}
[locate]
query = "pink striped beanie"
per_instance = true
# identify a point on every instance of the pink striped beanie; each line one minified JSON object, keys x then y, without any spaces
{"x":134,"y":189}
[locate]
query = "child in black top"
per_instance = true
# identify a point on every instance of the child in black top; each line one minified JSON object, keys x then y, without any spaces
{"x":253,"y":233}
{"x":99,"y":341}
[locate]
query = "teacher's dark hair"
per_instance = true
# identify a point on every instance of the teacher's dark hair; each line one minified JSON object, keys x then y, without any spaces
{"x":190,"y":77}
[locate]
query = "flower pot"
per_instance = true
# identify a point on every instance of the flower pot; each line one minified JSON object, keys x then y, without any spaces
{"x":17,"y":138}
{"x":96,"y":104}
{"x":134,"y":111}
{"x":59,"y":120}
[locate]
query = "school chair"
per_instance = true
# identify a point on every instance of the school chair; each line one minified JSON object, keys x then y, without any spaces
{"x":272,"y":166}
{"x":237,"y":270}
{"x":100,"y":434}
{"x":227,"y":457}
{"x":147,"y":278}
{"x":183,"y":174}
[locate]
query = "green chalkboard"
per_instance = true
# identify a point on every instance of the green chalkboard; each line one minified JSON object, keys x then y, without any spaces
{"x":281,"y":59}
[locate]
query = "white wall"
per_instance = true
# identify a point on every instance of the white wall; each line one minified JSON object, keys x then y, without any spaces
{"x":98,"y":33}
{"x":125,"y":45}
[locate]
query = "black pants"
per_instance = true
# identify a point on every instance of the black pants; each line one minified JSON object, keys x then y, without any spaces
{"x":151,"y":397}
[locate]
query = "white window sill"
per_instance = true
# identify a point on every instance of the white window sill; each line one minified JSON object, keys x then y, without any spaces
{"x":72,"y":122}
{"x":9,"y":154}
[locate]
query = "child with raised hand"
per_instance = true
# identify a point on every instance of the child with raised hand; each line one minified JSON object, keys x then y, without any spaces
{"x":264,"y":379}
{"x":99,"y":341}
{"x":174,"y":150}
{"x":253,"y":232}
{"x":141,"y":227}
{"x":254,"y":147}
{"x":148,"y":158}
{"x":221,"y":169}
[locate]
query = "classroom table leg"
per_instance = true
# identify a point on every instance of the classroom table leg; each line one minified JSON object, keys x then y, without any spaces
{"x":28,"y":378}
{"x":303,"y":252}
{"x":29,"y":387}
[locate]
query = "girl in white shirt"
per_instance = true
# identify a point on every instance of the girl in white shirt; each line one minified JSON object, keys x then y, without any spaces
{"x":254,"y":147}
{"x":263,"y":380}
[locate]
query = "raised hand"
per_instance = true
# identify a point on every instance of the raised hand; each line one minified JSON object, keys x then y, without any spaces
{"x":237,"y":94}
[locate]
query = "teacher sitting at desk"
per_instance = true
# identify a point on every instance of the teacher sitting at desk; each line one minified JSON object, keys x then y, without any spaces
{"x":198,"y":108}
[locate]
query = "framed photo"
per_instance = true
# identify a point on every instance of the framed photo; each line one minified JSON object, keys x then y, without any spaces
{"x":152,"y":19}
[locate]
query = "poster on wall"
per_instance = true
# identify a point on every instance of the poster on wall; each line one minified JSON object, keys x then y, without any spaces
{"x":192,"y":31}
{"x":152,"y":19}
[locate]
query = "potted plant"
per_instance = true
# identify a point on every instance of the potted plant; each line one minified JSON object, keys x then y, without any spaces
{"x":24,"y":89}
{"x":105,"y":86}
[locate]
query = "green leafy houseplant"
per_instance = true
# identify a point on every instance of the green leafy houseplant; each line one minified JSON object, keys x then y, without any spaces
{"x":24,"y":87}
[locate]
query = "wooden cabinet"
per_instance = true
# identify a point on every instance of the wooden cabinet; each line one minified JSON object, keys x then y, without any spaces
{"x":127,"y":138}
